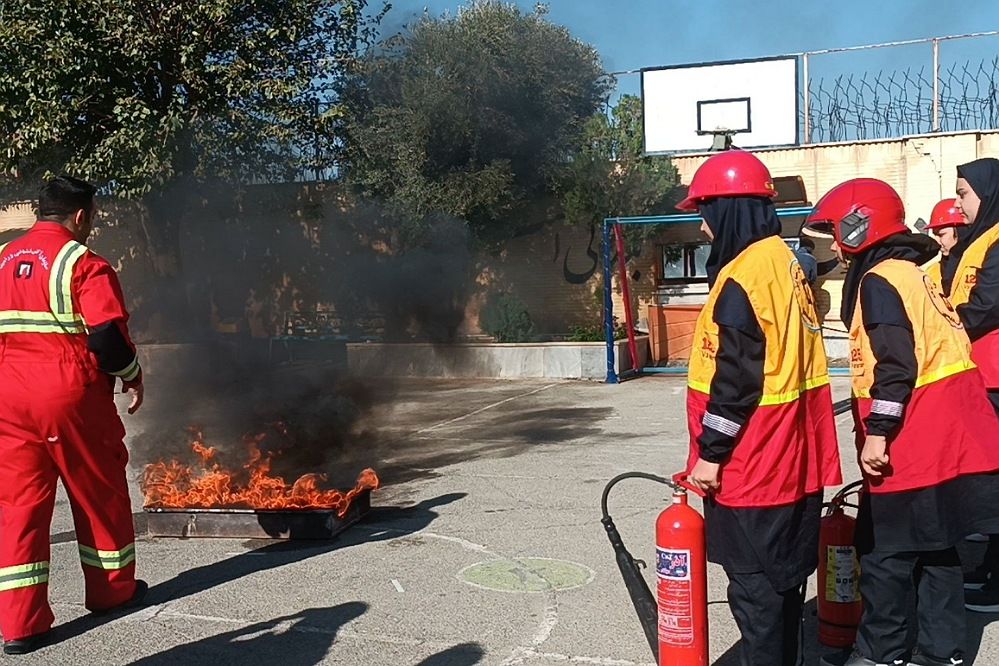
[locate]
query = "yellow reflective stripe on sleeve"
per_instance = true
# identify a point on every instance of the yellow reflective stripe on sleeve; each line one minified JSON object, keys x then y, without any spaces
{"x":107,"y":559}
{"x":24,"y":575}
{"x":772,"y":398}
{"x":61,"y":278}
{"x":130,"y":371}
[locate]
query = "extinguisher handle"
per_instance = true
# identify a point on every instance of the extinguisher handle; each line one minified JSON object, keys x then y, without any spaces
{"x":680,"y":479}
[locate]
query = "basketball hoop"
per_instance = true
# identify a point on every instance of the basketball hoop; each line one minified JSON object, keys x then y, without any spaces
{"x":687,"y":108}
{"x":721,"y":139}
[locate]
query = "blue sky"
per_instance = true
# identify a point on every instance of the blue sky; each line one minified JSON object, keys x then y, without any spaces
{"x":631,"y":34}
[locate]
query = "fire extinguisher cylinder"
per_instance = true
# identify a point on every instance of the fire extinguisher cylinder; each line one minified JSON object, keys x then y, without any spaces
{"x":839,"y":604}
{"x":682,"y":589}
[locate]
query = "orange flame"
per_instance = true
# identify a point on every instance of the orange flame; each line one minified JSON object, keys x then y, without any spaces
{"x":174,"y":484}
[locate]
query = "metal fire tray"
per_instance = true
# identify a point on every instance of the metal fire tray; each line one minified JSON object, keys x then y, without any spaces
{"x":256,"y":524}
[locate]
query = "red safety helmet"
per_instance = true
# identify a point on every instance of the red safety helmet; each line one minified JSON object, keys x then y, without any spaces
{"x":733,"y":173}
{"x":945,"y":214}
{"x":859,"y":213}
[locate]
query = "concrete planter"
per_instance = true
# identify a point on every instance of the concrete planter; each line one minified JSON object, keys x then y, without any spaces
{"x":547,"y":360}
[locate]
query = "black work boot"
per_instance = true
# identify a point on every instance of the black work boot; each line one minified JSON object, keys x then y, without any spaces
{"x":141,"y":587}
{"x":27,"y":644}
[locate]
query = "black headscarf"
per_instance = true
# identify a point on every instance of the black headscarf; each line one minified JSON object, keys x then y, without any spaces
{"x":983,"y":177}
{"x":917,"y":248}
{"x":737,"y":223}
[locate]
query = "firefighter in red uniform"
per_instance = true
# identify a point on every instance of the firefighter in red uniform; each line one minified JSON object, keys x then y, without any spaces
{"x":945,"y":220}
{"x":926,"y":434}
{"x":759,"y":408}
{"x":63,"y":345}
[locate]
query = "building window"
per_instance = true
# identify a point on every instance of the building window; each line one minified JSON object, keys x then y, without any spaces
{"x":686,"y":267}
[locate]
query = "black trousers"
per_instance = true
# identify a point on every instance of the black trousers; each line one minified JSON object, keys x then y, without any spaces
{"x":769,"y":621}
{"x":991,"y":562}
{"x":886,"y":581}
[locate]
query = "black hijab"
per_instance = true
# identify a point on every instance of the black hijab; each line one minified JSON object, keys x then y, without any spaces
{"x":737,"y":223}
{"x":917,"y":248}
{"x":983,"y":177}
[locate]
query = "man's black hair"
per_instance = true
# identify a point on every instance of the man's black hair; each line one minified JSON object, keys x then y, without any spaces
{"x":62,"y":196}
{"x":805,"y":241}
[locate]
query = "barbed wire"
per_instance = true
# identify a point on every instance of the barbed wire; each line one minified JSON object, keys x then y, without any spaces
{"x":890,"y":104}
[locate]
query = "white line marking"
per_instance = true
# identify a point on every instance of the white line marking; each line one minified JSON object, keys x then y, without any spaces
{"x":601,"y":661}
{"x":483,"y":409}
{"x":397,"y":585}
{"x":288,"y":625}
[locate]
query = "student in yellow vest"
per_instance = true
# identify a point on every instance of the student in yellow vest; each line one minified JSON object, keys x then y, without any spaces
{"x":759,"y":408}
{"x":926,"y":433}
{"x":971,"y":279}
{"x":944,"y":222}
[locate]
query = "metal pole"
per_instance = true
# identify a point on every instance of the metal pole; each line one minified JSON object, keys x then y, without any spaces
{"x":936,"y":85}
{"x":608,"y":304}
{"x":808,"y":121}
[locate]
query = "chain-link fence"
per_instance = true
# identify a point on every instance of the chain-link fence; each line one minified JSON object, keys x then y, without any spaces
{"x":929,"y":95}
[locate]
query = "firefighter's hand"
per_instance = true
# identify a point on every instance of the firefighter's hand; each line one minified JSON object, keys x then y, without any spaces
{"x":874,"y":456}
{"x":704,"y":476}
{"x":136,"y":390}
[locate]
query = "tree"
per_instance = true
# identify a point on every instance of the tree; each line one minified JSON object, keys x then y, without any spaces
{"x":471,"y":115}
{"x":140,"y":96}
{"x":609,"y":175}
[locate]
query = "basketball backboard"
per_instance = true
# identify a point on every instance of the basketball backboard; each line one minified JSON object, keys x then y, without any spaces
{"x":756,"y":100}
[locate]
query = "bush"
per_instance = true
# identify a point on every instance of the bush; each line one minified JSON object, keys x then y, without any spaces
{"x":595,"y":332}
{"x":505,"y":317}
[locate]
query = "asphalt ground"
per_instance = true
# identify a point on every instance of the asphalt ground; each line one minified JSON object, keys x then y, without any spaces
{"x":483,"y":547}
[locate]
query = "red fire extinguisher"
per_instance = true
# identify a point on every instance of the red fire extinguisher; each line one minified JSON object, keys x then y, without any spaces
{"x":675,"y":621}
{"x":839,"y":604}
{"x":682,"y":590}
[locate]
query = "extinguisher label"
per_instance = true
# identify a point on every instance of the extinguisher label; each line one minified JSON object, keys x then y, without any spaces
{"x":676,"y":610}
{"x":842,"y":575}
{"x":673,"y":564}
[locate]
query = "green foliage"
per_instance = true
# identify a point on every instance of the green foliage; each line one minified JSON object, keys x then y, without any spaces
{"x":471,"y":115}
{"x":610,"y":177}
{"x":135,"y":94}
{"x":505,"y":317}
{"x":595,"y":332}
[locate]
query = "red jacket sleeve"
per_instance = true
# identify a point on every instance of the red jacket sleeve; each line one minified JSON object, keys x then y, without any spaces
{"x":100,"y":301}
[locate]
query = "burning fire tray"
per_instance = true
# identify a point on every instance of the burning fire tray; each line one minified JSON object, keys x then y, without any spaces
{"x":254,"y":523}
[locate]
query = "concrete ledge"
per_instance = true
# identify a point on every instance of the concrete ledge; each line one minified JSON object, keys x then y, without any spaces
{"x":548,"y":360}
{"x":194,"y":360}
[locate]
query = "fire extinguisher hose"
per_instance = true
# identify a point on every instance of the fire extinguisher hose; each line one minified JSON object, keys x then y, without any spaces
{"x":631,"y":569}
{"x":839,"y":499}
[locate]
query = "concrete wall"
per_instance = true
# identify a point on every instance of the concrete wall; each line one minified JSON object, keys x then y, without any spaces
{"x":550,"y":360}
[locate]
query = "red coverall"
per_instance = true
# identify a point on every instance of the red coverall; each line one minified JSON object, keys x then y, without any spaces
{"x":58,"y":419}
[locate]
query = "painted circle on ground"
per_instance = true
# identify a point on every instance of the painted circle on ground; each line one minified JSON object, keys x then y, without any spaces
{"x":526,"y":574}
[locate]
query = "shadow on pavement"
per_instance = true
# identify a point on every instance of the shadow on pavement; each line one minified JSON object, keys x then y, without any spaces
{"x":299,"y":639}
{"x":465,"y":654}
{"x":380,"y":524}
